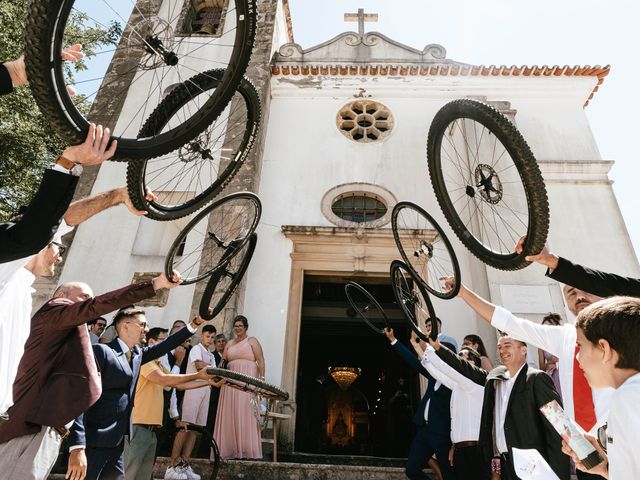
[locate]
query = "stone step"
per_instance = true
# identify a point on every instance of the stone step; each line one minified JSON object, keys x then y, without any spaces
{"x":262,"y":470}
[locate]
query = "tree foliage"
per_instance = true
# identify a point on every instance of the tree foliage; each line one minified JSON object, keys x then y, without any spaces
{"x":28,"y":144}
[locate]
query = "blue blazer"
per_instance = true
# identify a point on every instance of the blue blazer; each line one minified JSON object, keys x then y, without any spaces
{"x":108,"y":420}
{"x":439,"y":408}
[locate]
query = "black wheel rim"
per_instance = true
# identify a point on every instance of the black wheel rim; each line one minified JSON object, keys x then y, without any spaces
{"x":149,"y":47}
{"x":413,"y":300}
{"x":488,"y":183}
{"x":222,"y":284}
{"x":192,"y":174}
{"x":367,"y":307}
{"x":425,"y":248}
{"x":203,"y":245}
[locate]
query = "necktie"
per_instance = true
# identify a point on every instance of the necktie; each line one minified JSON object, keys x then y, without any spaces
{"x":128,"y":355}
{"x":582,"y":397}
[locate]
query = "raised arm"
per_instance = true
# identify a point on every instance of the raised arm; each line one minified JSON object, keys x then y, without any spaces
{"x":587,"y":279}
{"x":436,"y":364}
{"x":82,"y":210}
{"x":35,"y":229}
{"x":406,"y":355}
{"x":473,"y":373}
{"x":173,"y":341}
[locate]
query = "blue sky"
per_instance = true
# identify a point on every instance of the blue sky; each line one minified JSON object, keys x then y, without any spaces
{"x":583,"y":32}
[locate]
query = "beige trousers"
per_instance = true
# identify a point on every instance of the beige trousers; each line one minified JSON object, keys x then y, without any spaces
{"x":30,"y":457}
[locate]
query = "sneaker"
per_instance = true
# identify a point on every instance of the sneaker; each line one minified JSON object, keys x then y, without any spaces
{"x":177,"y":472}
{"x":191,"y":475}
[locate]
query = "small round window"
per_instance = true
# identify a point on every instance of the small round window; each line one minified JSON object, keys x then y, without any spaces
{"x":365,"y":121}
{"x":358,"y":207}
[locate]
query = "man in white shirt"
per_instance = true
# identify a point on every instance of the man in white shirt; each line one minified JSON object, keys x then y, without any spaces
{"x":588,"y":406}
{"x":467,"y":398}
{"x":609,"y":341}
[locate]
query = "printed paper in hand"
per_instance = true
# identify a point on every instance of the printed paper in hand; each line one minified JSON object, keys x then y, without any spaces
{"x":530,"y":465}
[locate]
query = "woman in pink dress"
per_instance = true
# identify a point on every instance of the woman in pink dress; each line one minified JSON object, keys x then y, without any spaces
{"x":237,"y":432}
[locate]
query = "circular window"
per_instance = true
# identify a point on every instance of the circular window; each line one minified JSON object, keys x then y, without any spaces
{"x":358,"y":207}
{"x":358,"y":204}
{"x":365,"y":121}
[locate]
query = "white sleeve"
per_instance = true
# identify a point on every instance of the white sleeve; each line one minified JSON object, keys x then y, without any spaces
{"x":454,"y":376}
{"x":435,"y":372}
{"x":195,"y":354}
{"x":548,"y":337}
{"x":173,"y":405}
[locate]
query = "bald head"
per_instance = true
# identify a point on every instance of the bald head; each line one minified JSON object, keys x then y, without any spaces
{"x":74,"y":291}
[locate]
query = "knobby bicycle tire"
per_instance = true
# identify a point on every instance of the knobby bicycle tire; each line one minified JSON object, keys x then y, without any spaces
{"x":45,"y":27}
{"x":168,"y":108}
{"x":407,"y":298}
{"x":233,"y":256}
{"x":455,"y":267}
{"x":361,"y":312}
{"x":528,"y":171}
{"x":179,"y":242}
{"x":249,"y":383}
{"x":214,"y":446}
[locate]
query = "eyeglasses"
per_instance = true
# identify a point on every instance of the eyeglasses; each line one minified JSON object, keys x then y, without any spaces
{"x":602,"y":437}
{"x":140,"y":324}
{"x":101,"y":325}
{"x":61,"y":248}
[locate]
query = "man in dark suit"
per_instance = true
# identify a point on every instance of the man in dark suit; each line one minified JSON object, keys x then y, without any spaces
{"x":511,"y":416}
{"x":57,"y":377}
{"x":433,"y":419}
{"x":99,"y":432}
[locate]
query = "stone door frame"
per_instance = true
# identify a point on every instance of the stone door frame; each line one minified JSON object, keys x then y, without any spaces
{"x":325,"y":251}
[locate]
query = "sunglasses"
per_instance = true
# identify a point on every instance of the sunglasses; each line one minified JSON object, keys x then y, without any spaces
{"x":61,"y":248}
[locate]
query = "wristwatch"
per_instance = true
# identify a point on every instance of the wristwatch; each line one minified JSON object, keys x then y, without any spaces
{"x":74,"y":168}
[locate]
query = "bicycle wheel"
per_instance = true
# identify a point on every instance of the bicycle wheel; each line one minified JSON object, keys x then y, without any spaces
{"x":202,"y":247}
{"x":487,"y":183}
{"x":367,"y":307}
{"x":224,"y":282}
{"x":248,"y":383}
{"x":425,"y":248}
{"x":137,"y":51}
{"x":214,"y":447}
{"x":200,"y":169}
{"x":413,"y":300}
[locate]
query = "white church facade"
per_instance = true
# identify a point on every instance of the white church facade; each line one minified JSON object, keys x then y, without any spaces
{"x":314,"y":153}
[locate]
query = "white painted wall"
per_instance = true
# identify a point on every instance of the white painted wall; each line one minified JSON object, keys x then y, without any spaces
{"x":305,"y":155}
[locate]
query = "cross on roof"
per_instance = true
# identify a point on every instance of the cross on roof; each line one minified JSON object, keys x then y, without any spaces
{"x":361,"y":17}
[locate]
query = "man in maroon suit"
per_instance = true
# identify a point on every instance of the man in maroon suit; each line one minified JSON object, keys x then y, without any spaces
{"x":57,"y":377}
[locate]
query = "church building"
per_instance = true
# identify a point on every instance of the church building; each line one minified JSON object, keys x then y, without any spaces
{"x":343,"y":139}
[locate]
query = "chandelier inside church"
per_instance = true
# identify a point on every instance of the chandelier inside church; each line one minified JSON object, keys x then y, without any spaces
{"x":344,"y":376}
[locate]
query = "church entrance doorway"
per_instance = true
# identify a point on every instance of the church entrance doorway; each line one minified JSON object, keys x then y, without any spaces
{"x":366,"y":408}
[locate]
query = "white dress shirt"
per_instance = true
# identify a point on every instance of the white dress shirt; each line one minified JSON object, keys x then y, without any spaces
{"x":15,"y":314}
{"x":15,"y":318}
{"x":558,"y":340}
{"x":467,"y":397}
{"x":623,"y":426}
{"x":503,"y":393}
